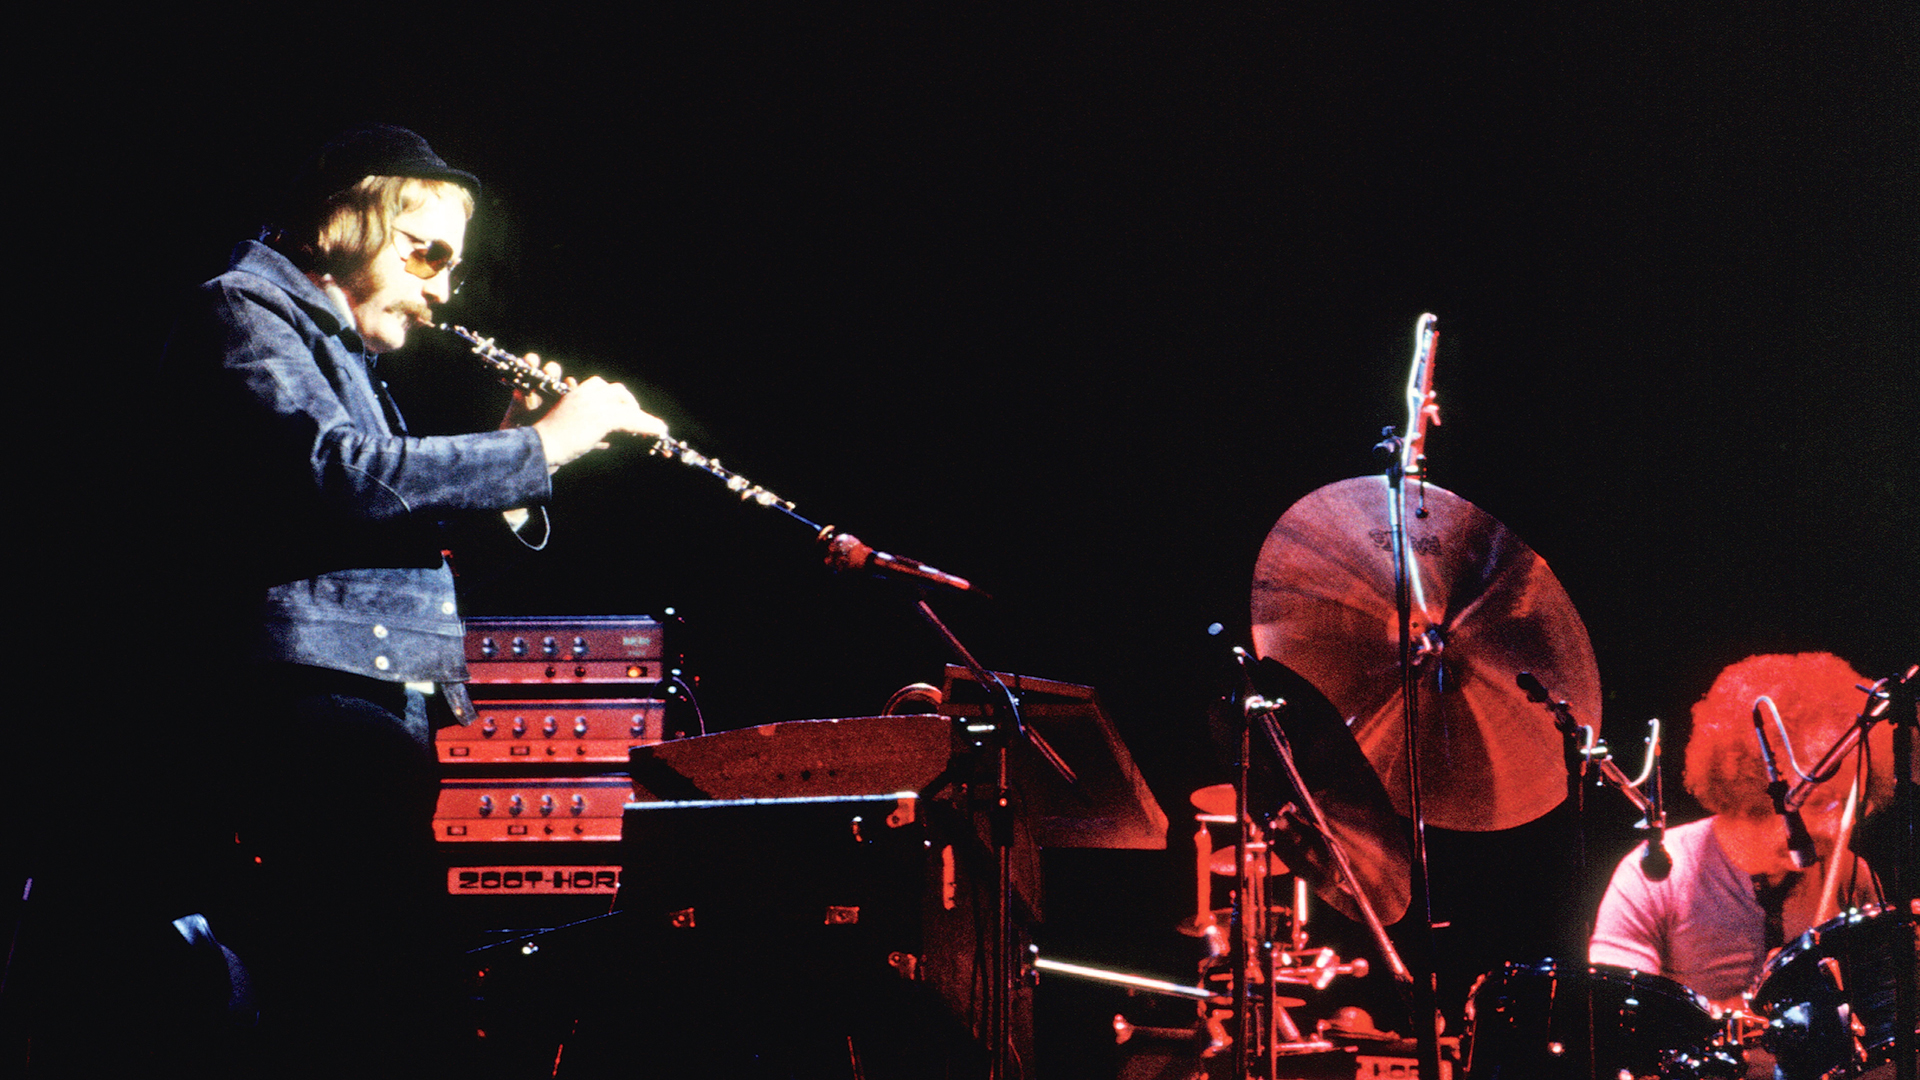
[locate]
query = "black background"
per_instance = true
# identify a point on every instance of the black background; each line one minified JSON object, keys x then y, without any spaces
{"x":1075,"y":301}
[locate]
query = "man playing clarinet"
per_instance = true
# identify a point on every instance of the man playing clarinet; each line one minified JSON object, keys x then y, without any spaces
{"x":318,"y":524}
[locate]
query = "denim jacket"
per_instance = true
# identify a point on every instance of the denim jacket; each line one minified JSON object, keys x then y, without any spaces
{"x":325,"y":516}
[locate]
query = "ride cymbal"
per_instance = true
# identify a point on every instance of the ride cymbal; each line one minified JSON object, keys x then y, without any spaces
{"x":1485,"y":608}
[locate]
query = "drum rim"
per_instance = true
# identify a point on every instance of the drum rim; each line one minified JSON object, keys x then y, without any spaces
{"x":1668,"y":1003}
{"x":1608,"y":973}
{"x":1808,"y":941}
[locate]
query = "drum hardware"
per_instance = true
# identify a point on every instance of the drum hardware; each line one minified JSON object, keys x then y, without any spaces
{"x":1320,"y":972}
{"x":1865,"y":1013}
{"x":1316,"y":803}
{"x":1828,"y":999}
{"x":1464,"y":606}
{"x":1799,"y":840}
{"x":1585,"y":754}
{"x":1124,"y":1030}
{"x":1314,"y":806}
{"x":1585,"y":750}
{"x":1226,"y":863}
{"x":1422,"y":1004}
{"x":1273,"y":1032}
{"x":1530,"y":1021}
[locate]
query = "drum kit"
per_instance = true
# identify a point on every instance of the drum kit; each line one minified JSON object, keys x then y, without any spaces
{"x":1824,"y":1008}
{"x":1404,"y":641}
{"x":1331,"y":806}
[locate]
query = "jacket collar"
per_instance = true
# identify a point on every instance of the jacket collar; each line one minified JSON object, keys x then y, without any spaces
{"x":256,"y":258}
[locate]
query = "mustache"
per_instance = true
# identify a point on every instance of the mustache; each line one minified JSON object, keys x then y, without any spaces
{"x":414,"y":310}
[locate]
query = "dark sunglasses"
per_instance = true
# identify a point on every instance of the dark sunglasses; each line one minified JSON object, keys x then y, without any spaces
{"x":431,"y":258}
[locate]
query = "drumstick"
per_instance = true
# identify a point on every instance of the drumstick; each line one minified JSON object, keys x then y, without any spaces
{"x":1828,"y":906}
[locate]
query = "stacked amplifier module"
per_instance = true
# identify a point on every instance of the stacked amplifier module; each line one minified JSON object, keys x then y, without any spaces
{"x":531,"y":792}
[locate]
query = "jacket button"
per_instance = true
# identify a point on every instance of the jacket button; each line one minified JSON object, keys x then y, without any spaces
{"x":446,"y":607}
{"x":379,"y":631}
{"x":382,"y":663}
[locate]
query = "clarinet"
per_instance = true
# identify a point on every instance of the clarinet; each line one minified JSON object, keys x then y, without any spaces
{"x":522,"y":374}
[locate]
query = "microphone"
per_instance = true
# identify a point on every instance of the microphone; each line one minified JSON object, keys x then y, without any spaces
{"x":1799,"y":841}
{"x":1657,"y":863}
{"x":846,"y":552}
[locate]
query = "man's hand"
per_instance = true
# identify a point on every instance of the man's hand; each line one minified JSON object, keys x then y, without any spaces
{"x":526,"y":404}
{"x":580,"y":421}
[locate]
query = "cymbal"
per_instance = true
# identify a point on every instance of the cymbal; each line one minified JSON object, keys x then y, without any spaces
{"x":1215,"y":799}
{"x":1323,"y":603}
{"x":1348,"y":791}
{"x":1226,"y":863}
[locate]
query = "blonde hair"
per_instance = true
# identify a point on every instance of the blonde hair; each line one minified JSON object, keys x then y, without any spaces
{"x":356,"y":223}
{"x":1818,"y":698}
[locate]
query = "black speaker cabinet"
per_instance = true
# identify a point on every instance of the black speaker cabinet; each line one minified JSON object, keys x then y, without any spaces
{"x":817,"y":937}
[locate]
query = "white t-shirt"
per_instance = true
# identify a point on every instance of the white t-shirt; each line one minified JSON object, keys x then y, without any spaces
{"x":1701,"y":926}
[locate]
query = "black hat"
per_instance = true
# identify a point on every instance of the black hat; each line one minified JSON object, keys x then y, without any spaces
{"x":374,"y":150}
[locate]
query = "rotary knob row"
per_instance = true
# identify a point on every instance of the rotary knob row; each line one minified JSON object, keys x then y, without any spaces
{"x":516,"y":805}
{"x":518,"y":647}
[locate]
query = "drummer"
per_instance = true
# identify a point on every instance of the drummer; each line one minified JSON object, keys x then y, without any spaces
{"x":1733,"y":894}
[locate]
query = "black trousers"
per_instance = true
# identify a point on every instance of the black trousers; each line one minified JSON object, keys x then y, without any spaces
{"x":338,"y":925}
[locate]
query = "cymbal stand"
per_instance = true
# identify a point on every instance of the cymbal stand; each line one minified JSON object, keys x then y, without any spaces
{"x":1906,"y":801}
{"x":1424,"y":1007}
{"x":1262,"y":1029}
{"x":1576,"y":762}
{"x":1407,"y":458}
{"x":1249,"y":939}
{"x":1269,"y":1030}
{"x":1317,"y":819}
{"x":1583,"y":752}
{"x":1248,"y":920}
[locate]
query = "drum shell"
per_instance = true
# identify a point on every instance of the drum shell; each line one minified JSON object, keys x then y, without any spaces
{"x":1814,"y":989}
{"x":1527,"y":1021}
